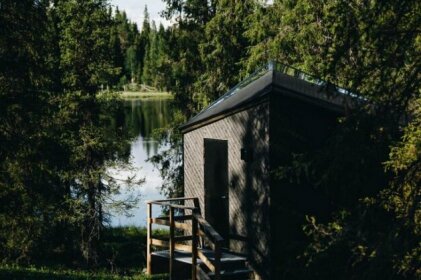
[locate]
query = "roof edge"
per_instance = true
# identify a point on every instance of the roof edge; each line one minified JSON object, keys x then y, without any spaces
{"x":249,"y":85}
{"x":222,"y":115}
{"x":288,"y":80}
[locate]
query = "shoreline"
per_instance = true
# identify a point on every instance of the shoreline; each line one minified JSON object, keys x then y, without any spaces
{"x":142,"y":94}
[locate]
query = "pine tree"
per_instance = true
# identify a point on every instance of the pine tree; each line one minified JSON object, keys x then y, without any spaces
{"x":151,"y":58}
{"x":86,"y":63}
{"x":143,"y":42}
{"x":263,"y":26}
{"x":163,"y":69}
{"x":116,"y":54}
{"x":85,"y":57}
{"x":225,"y":47}
{"x":184,"y":53}
{"x":26,"y":201}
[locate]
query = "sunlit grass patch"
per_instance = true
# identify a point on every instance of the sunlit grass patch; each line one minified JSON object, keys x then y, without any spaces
{"x":141,"y":94}
{"x":23,"y":273}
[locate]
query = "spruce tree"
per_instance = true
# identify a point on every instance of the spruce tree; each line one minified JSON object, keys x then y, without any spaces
{"x":224,"y":47}
{"x":143,"y":42}
{"x":184,"y":52}
{"x":163,"y":69}
{"x":150,"y":59}
{"x":27,"y":180}
{"x":116,"y":54}
{"x":86,"y":64}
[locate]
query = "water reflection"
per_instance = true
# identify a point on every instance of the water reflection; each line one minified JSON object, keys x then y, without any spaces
{"x":142,"y":118}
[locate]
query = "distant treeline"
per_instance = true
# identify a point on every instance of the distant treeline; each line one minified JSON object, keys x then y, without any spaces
{"x":140,"y":54}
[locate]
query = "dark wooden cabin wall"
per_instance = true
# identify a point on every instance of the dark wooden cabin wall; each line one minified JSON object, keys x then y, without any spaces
{"x":296,"y":127}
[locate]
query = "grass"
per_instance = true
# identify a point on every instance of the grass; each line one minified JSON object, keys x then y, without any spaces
{"x":143,"y":94}
{"x":124,"y":248}
{"x":122,"y":256}
{"x":23,"y":273}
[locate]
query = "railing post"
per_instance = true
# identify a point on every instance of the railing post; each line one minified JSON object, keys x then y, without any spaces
{"x":194,"y":246}
{"x":148,"y":242}
{"x":217,"y":263}
{"x":196,"y":204}
{"x":172,"y":243}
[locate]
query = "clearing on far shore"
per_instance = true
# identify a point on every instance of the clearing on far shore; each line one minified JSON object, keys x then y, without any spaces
{"x":143,"y":94}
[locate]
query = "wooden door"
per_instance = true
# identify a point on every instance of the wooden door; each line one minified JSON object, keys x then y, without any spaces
{"x":216,"y":185}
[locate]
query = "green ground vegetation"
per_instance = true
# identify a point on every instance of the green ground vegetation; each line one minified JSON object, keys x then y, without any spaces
{"x":33,"y":273}
{"x":124,"y":248}
{"x":122,"y":251}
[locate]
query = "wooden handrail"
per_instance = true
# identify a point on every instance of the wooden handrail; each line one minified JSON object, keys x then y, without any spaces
{"x":172,"y":242}
{"x":173,"y":205}
{"x":214,"y":237}
{"x":199,"y":227}
{"x":208,"y":229}
{"x":176,"y":218}
{"x":170,"y":199}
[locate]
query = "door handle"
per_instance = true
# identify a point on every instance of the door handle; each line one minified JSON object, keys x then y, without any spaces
{"x":224,"y":197}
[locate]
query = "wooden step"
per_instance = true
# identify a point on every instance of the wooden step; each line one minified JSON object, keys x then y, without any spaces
{"x":236,"y":274}
{"x":233,"y":266}
{"x":186,"y":257}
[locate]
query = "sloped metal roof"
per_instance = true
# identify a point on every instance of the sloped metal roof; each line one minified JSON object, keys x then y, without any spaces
{"x":280,"y":79}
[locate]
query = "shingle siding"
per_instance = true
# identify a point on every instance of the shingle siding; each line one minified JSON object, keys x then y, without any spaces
{"x":248,"y":181}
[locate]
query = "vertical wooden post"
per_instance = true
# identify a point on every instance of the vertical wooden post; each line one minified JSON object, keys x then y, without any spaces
{"x":196,"y":204}
{"x":217,"y":263}
{"x":172,"y":243}
{"x":194,"y":246}
{"x":148,"y":241}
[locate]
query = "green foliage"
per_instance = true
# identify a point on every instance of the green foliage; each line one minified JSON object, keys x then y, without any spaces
{"x":151,"y":57}
{"x":203,"y":53}
{"x":141,"y":55}
{"x":369,"y":47}
{"x":357,"y":45}
{"x":183,"y":56}
{"x":170,"y":161}
{"x":27,"y":161}
{"x":124,"y":248}
{"x":198,"y":12}
{"x":57,"y":137}
{"x":381,"y":237}
{"x":223,"y":48}
{"x":85,"y":57}
{"x":261,"y":31}
{"x":347,"y":43}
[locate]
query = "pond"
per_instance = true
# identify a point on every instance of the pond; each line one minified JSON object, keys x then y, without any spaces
{"x":143,"y":117}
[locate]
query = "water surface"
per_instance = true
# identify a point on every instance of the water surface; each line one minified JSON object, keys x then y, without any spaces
{"x":142,"y":118}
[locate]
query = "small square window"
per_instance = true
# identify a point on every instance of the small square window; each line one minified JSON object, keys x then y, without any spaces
{"x":246,"y":154}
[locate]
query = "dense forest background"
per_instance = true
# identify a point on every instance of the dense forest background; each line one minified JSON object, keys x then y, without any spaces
{"x":55,"y":144}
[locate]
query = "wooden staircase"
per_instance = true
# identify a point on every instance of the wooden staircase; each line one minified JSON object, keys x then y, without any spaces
{"x":193,"y":249}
